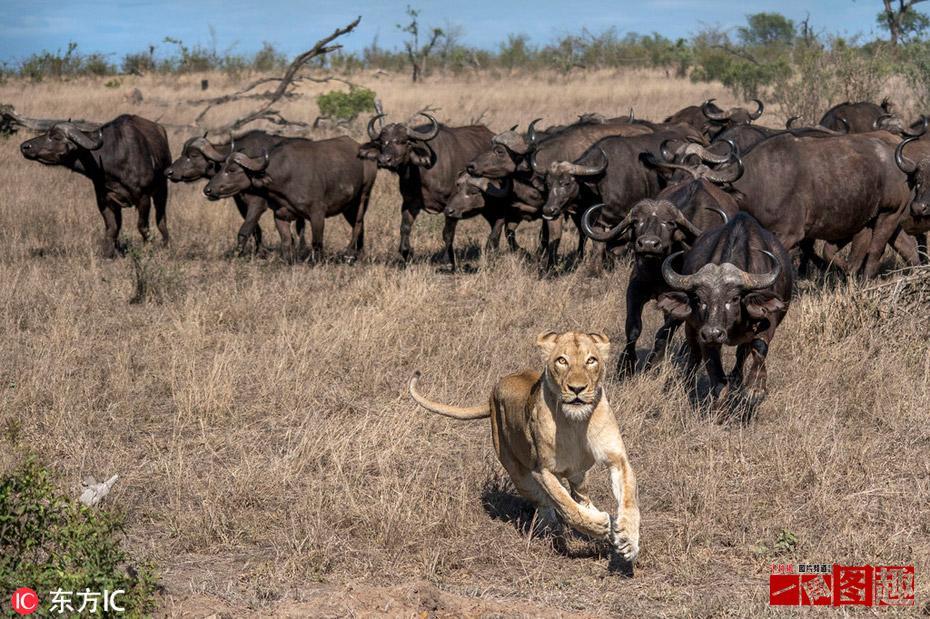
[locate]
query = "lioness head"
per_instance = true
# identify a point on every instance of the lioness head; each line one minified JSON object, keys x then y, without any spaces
{"x":575,"y":369}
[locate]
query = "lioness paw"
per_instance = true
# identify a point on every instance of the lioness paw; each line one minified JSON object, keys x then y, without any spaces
{"x":624,"y":540}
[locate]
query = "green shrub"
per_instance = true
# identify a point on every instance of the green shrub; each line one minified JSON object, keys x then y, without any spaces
{"x":50,"y":542}
{"x":340,"y":105}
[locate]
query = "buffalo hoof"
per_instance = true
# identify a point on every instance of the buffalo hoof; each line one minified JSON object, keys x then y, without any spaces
{"x":446,"y":269}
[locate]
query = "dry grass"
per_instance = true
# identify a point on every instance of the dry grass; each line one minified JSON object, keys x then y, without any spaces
{"x":258,"y":419}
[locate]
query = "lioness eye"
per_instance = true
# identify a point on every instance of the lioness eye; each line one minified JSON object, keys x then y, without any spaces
{"x":562,"y":361}
{"x":592,"y":361}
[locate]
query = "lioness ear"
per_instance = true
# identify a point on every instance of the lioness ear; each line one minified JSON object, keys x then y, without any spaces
{"x":603,"y":344}
{"x":546,"y":342}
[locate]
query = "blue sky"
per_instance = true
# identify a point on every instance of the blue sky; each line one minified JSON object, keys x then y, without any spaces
{"x":115,"y":28}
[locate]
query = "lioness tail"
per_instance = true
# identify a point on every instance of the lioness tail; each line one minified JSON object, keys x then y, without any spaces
{"x":456,"y":412}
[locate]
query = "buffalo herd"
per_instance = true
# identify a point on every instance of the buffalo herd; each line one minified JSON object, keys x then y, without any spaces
{"x":709,"y":205}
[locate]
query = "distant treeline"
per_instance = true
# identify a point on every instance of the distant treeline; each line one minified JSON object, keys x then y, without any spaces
{"x":771,"y":56}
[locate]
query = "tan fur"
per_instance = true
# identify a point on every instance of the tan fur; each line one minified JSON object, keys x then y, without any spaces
{"x":557,"y":424}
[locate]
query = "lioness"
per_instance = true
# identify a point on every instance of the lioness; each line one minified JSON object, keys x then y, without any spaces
{"x":558,"y":424}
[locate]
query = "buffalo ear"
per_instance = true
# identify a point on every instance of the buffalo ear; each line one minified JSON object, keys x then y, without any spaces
{"x":422,"y":155}
{"x":602,"y":342}
{"x":369,"y":150}
{"x":675,"y":305}
{"x":762,"y":304}
{"x":546,"y":342}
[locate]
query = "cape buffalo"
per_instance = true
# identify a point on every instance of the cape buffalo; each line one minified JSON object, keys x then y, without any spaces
{"x":734,"y":289}
{"x":860,"y":117}
{"x":427,"y":159}
{"x":912,"y":156}
{"x":655,"y":229}
{"x":709,"y":119}
{"x":200,"y":158}
{"x":786,"y":188}
{"x":304,"y":178}
{"x":125,"y":159}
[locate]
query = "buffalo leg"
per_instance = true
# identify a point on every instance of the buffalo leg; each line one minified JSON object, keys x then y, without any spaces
{"x":881,"y":235}
{"x":742,"y":352}
{"x":510,"y":232}
{"x":357,"y":241}
{"x":636,"y":299}
{"x":555,"y":238}
{"x":448,"y":241}
{"x":922,"y":255}
{"x":253,"y":207}
{"x":287,"y":242}
{"x":694,"y":355}
{"x":663,"y":335}
{"x":143,"y":210}
{"x":408,"y":215}
{"x":582,"y":238}
{"x":317,"y":223}
{"x":906,"y":246}
{"x":160,"y":199}
{"x":543,"y":239}
{"x":113,"y":220}
{"x":718,"y":379}
{"x":758,"y":375}
{"x":494,"y":237}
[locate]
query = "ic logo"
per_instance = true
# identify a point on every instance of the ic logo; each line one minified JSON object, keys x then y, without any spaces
{"x":25,"y":601}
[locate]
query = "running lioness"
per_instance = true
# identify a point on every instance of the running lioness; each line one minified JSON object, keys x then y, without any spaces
{"x":557,"y":424}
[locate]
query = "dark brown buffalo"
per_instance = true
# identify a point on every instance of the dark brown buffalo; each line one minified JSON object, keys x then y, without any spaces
{"x":125,"y":160}
{"x":655,"y":229}
{"x":826,"y":188}
{"x":709,"y":119}
{"x":733,"y":289}
{"x":912,"y":156}
{"x":201,"y":158}
{"x":503,"y":204}
{"x":861,"y":117}
{"x":303,"y":178}
{"x":427,"y":159}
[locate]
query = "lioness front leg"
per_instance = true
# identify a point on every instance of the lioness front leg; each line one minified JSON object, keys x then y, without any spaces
{"x":578,"y":485}
{"x":625,"y":531}
{"x":587,"y":520}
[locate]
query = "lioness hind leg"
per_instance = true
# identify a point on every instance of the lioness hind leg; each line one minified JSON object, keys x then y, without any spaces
{"x":528,"y":487}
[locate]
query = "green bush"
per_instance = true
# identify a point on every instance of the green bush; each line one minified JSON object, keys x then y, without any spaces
{"x":50,"y":542}
{"x":340,"y":105}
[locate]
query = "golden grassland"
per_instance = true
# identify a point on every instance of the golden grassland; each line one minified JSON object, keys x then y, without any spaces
{"x":257,"y":413}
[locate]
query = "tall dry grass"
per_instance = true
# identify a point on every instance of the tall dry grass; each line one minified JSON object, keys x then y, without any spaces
{"x":267,"y":450}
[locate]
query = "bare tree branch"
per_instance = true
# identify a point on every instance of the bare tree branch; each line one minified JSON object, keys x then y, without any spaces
{"x":285,"y":82}
{"x":10,"y":121}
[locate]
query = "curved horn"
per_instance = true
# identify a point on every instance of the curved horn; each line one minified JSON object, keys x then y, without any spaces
{"x":667,"y":154}
{"x":790,"y":122}
{"x":877,"y":123}
{"x":730,"y":177}
{"x":78,"y":137}
{"x":759,"y":109}
{"x":706,"y":155}
{"x":609,"y":235}
{"x":685,"y":223}
{"x":534,"y":165}
{"x":906,"y":165}
{"x":251,"y":164}
{"x":721,"y":212}
{"x":676,"y":280}
{"x":208,"y":150}
{"x":531,"y":132}
{"x":577,"y":169}
{"x":919,"y":132}
{"x":371,"y":126}
{"x":719,"y":116}
{"x":754,"y":281}
{"x":653,"y":161}
{"x":632,"y":118}
{"x":429,"y":134}
{"x":500,"y":192}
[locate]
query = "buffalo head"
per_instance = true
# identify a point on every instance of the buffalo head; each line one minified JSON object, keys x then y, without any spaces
{"x":60,"y":144}
{"x":397,"y":144}
{"x":653,"y":226}
{"x":199,"y":158}
{"x":562,"y":180}
{"x":719,"y":297}
{"x":506,"y":157}
{"x":238,"y":173}
{"x":471,"y":195}
{"x":733,"y":116}
{"x":918,"y":177}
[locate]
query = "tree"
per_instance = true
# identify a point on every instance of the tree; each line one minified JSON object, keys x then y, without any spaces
{"x":417,"y":54}
{"x":767,"y":29}
{"x":901,"y":21}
